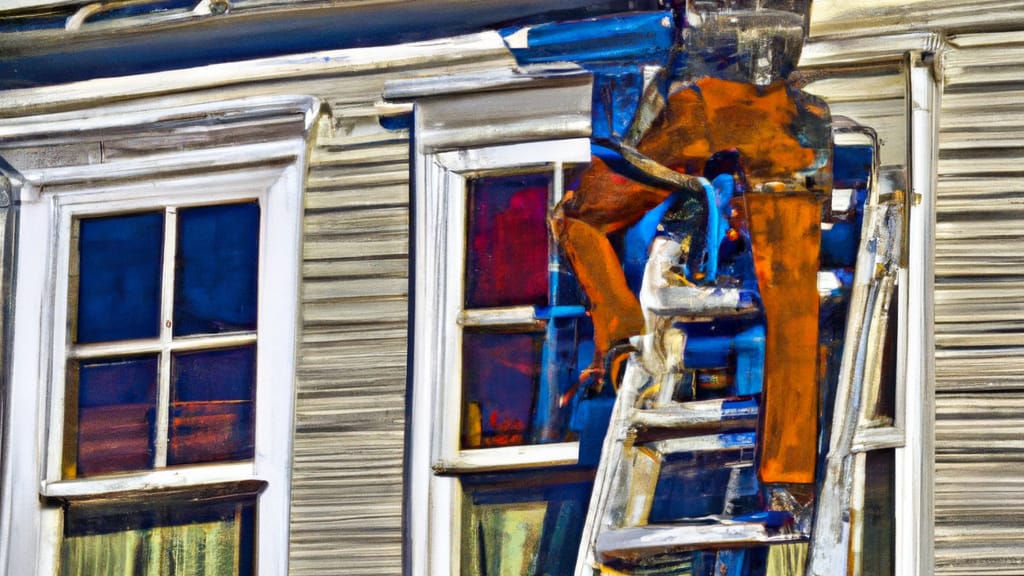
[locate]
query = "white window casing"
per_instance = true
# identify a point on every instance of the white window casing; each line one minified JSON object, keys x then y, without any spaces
{"x":534,"y":119}
{"x":223,"y":168}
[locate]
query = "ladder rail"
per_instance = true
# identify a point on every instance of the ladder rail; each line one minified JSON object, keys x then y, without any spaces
{"x":874,"y":286}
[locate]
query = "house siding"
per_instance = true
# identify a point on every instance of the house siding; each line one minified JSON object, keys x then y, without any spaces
{"x":979,"y":309}
{"x":350,"y":409}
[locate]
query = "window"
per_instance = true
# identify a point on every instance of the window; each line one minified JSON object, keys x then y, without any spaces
{"x":521,"y":324}
{"x":480,"y":465}
{"x":168,"y":290}
{"x":501,"y":333}
{"x":161,"y":370}
{"x":893,"y":85}
{"x":506,"y":449}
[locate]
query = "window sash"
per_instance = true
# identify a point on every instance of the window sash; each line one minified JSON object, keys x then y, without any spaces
{"x":449,"y":456}
{"x":164,"y":346}
{"x":72,"y":207}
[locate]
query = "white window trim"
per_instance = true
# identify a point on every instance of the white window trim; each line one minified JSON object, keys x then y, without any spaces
{"x":441,"y":221}
{"x":271,"y":172}
{"x":551,"y":128}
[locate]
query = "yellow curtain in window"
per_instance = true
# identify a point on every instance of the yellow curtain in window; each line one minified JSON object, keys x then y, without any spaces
{"x":203,"y":549}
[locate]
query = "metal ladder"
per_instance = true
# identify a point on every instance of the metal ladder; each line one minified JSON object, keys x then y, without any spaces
{"x":648,"y":425}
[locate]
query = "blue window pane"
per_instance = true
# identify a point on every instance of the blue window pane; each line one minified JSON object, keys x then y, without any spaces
{"x":116,"y":408}
{"x":851,"y":166}
{"x":215,"y":278}
{"x":119,"y":261}
{"x":211,"y":416}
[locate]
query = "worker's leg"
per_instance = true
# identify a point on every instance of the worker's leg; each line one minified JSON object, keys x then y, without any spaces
{"x":603,"y":203}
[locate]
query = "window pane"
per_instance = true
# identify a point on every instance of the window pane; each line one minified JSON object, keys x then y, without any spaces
{"x":116,"y":408}
{"x":879,"y":535}
{"x":212,"y":406}
{"x":182,"y":539}
{"x":500,"y":374}
{"x":851,"y":166}
{"x":507,"y":251}
{"x":215,"y":277}
{"x":119,"y":260}
{"x":523,"y":524}
{"x":523,"y":387}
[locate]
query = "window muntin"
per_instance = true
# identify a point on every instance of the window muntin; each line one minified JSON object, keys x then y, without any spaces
{"x":200,"y":266}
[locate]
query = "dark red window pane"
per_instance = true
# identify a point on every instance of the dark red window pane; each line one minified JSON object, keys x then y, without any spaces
{"x":499,"y":378}
{"x":507,"y":252}
{"x":116,"y":408}
{"x":211,"y":416}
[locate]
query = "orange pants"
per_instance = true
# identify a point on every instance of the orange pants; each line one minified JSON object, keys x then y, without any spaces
{"x":781,"y":135}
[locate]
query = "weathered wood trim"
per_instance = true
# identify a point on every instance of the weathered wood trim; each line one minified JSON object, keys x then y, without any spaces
{"x":350,"y":62}
{"x":914,"y":463}
{"x":867,"y":50}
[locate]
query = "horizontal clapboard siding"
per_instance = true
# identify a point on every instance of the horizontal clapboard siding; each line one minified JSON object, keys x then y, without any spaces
{"x":350,"y":410}
{"x":872,"y":17}
{"x":979,"y":309}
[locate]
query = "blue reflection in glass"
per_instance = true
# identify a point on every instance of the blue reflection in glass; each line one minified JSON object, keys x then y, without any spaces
{"x":211,"y":416}
{"x":215,"y":278}
{"x":116,"y":403}
{"x":119,"y":277}
{"x":211,"y":375}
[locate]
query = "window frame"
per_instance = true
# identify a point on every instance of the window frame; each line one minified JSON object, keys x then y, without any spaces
{"x":444,"y":223}
{"x":550,"y":127}
{"x":50,"y":199}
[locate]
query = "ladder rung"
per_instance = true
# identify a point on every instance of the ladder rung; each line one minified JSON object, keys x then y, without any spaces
{"x":633,"y":544}
{"x":696,"y":415}
{"x":706,"y":443}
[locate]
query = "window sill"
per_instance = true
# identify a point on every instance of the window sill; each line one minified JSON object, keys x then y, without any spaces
{"x":509,"y":458}
{"x":191,"y":478}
